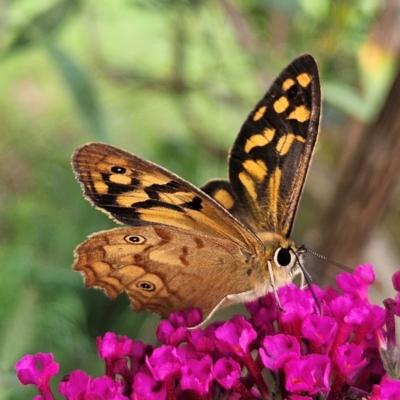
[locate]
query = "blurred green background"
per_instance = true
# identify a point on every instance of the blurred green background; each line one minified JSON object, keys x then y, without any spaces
{"x":172,"y":82}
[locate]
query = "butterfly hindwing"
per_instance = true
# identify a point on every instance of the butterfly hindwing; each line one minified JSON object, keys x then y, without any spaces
{"x":162,"y":268}
{"x":221,"y":191}
{"x":269,"y":160}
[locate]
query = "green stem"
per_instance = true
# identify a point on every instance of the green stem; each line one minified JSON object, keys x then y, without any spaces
{"x":255,"y":372}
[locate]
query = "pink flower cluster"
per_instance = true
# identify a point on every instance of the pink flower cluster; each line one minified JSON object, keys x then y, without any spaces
{"x":339,"y":348}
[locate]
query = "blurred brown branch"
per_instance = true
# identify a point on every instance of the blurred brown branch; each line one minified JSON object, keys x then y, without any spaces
{"x":371,"y":165}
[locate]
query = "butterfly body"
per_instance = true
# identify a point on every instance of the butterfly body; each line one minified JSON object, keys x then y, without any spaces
{"x":229,"y":242}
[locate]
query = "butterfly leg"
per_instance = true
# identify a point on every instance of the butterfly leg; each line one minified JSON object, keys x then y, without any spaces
{"x":274,"y":287}
{"x":303,"y":282}
{"x":230,"y":299}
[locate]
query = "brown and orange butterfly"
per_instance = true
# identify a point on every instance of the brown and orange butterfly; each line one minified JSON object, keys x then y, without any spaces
{"x":228,"y":242}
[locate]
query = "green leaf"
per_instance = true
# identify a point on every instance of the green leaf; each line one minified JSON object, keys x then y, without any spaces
{"x":81,"y":87}
{"x":18,"y":335}
{"x":43,"y":24}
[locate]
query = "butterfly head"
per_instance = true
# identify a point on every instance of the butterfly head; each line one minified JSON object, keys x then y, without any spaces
{"x":281,"y":260}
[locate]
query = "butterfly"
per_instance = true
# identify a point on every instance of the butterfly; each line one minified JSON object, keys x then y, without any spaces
{"x":225,"y":243}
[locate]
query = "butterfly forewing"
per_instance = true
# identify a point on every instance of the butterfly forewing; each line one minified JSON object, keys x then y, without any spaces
{"x":269,"y":160}
{"x":137,"y":192}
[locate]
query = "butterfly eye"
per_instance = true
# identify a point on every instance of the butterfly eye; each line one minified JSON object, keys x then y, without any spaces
{"x":283,"y":257}
{"x":147,"y":286}
{"x":135,"y":239}
{"x":118,"y":170}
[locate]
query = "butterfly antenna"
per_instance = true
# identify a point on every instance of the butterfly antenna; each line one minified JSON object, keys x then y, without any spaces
{"x":335,"y":263}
